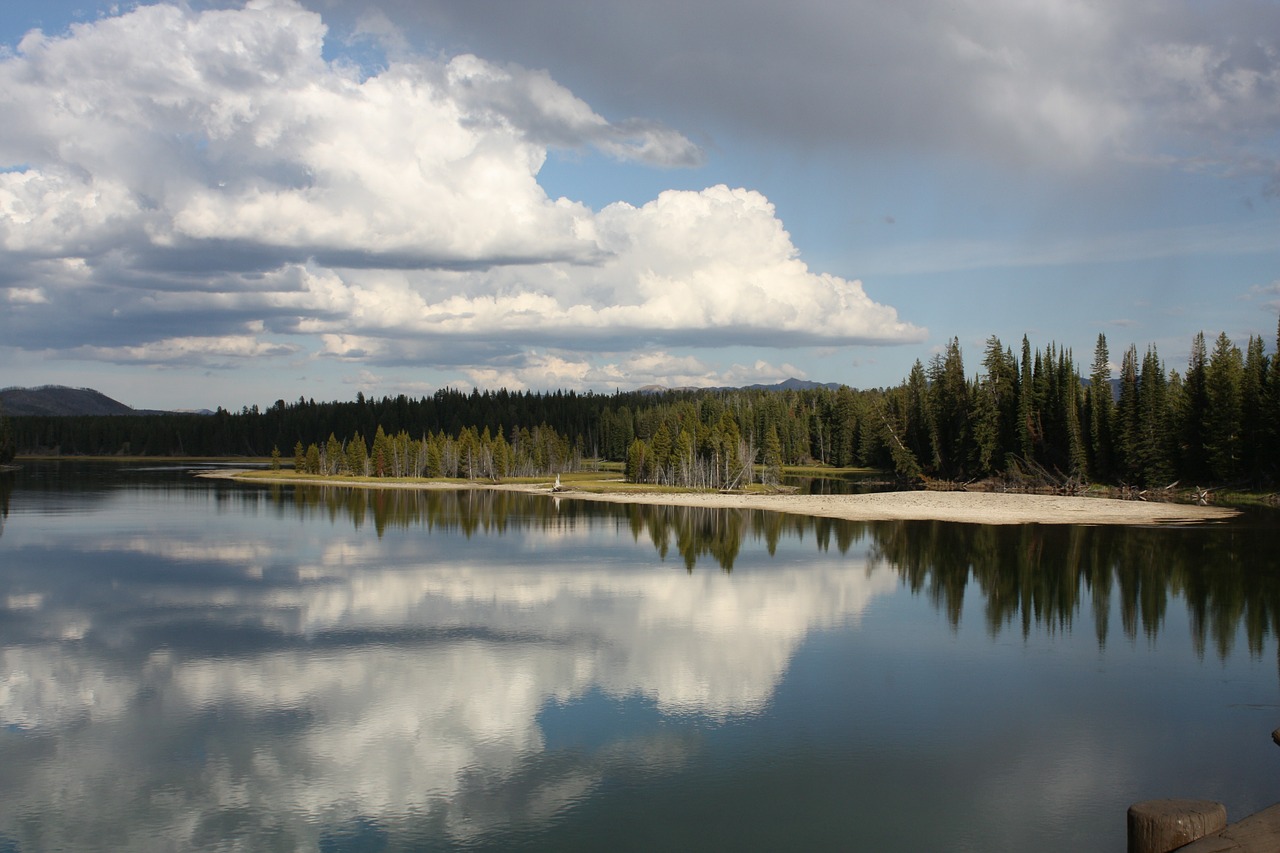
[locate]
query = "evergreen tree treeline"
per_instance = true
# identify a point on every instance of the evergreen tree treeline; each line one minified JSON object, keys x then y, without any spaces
{"x":471,"y":454}
{"x":7,"y":449}
{"x":1025,"y":414}
{"x":1034,"y":415}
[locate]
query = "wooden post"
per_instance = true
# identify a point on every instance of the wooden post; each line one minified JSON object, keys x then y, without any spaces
{"x":1159,"y":826}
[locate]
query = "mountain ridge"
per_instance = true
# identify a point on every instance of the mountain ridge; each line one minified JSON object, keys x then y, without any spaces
{"x":790,"y":384}
{"x":65,"y":401}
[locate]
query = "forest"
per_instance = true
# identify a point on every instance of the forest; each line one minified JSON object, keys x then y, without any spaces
{"x":1029,"y":417}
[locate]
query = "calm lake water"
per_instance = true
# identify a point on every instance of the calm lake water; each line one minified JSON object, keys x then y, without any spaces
{"x":189,"y":664}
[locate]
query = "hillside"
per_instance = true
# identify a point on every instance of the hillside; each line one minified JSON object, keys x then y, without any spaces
{"x":794,"y":384}
{"x":58,"y":400}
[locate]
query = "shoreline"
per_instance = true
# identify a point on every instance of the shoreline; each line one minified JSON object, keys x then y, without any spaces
{"x":963,"y":507}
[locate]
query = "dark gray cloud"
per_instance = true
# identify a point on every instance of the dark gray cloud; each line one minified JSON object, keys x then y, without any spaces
{"x":1054,"y":82}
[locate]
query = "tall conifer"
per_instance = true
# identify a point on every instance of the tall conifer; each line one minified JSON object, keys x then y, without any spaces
{"x":1192,"y":411}
{"x":914,"y":431}
{"x":949,"y":409}
{"x":772,"y":458}
{"x":1223,"y":419}
{"x":1125,"y":425}
{"x":1252,"y":396}
{"x":1271,"y":411}
{"x":7,"y":451}
{"x":1100,"y":407}
{"x":1152,"y":446}
{"x":995,"y":408}
{"x":1026,"y":404}
{"x":1070,"y":408}
{"x":660,"y":449}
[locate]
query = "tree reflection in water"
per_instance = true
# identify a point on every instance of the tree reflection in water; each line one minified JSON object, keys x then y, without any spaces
{"x":1041,"y":575}
{"x":184,"y":666}
{"x":6,"y":491}
{"x":1031,"y":576}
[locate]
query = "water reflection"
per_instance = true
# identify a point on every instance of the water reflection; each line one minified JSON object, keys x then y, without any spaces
{"x":6,"y":490}
{"x":1047,"y":576}
{"x":842,"y":483}
{"x":691,"y":532}
{"x":1050,"y":576}
{"x":321,"y":668}
{"x":265,"y":690}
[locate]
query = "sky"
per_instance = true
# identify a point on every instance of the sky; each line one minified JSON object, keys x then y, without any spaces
{"x":225,"y":203}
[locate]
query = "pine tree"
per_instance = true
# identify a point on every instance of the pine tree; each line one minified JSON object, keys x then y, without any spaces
{"x":913,"y":433}
{"x":684,"y":459}
{"x":1253,"y":428}
{"x":995,"y":408}
{"x":1069,"y":408}
{"x":731,"y":461}
{"x":845,"y":434}
{"x":892,"y":415}
{"x":1193,"y":410}
{"x":312,"y":463}
{"x":1125,"y":427}
{"x":661,"y":454}
{"x":772,"y":458}
{"x":333,"y":457}
{"x":7,"y":451}
{"x":1100,"y":407}
{"x":1271,"y":412}
{"x":637,"y":468}
{"x":501,"y":456}
{"x":622,"y":433}
{"x":468,"y":452}
{"x":1223,"y":420}
{"x":1153,"y":445}
{"x":985,"y":415}
{"x":949,"y":413}
{"x":1027,"y":433}
{"x":433,"y":466}
{"x":819,"y":436}
{"x":358,"y":456}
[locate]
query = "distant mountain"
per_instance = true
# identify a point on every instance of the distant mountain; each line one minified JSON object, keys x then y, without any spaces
{"x":61,"y":401}
{"x":1115,"y":387}
{"x":794,"y":384}
{"x":791,"y":384}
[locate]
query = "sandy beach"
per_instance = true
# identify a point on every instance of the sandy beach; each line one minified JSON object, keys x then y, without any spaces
{"x":968,"y":507}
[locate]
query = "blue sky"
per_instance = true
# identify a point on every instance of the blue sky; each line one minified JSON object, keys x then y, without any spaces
{"x":228,"y":203}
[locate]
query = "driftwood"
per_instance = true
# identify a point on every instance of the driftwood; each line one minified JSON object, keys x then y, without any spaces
{"x":1027,"y":476}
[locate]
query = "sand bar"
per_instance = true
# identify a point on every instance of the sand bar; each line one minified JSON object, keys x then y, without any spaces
{"x":968,"y":507}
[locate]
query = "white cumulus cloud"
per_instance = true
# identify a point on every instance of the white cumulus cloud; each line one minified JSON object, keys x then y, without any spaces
{"x":206,"y":187}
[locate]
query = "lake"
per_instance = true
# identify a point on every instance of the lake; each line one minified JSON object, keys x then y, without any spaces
{"x":191,"y":664}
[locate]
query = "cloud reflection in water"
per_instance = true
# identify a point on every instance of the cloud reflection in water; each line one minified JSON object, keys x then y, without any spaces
{"x":381,"y":678}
